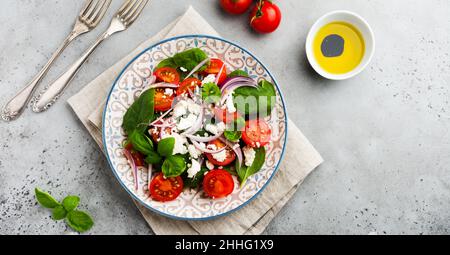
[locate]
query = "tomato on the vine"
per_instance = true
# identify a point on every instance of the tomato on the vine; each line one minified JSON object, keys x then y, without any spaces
{"x":265,"y":17}
{"x":235,"y":6}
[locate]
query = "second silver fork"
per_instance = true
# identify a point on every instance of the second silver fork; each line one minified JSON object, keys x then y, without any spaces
{"x":123,"y":19}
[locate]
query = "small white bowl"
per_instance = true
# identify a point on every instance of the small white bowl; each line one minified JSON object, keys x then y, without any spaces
{"x":354,"y":20}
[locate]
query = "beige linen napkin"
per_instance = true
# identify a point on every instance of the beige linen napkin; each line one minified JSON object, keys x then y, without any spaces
{"x":300,"y":159}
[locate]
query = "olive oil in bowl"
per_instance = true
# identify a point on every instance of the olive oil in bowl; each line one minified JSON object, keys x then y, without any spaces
{"x":338,"y":47}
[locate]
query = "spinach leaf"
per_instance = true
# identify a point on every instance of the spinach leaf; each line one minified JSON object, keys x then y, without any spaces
{"x":168,"y":62}
{"x":153,"y":158}
{"x":140,"y":113}
{"x":70,"y":203}
{"x":195,"y":181}
{"x":253,"y":101}
{"x":141,"y":142}
{"x":211,"y":92}
{"x":190,"y":59}
{"x":165,"y":147}
{"x":244,"y":172}
{"x":174,"y":166}
{"x":45,"y":199}
{"x":238,"y":73}
{"x":59,"y":213}
{"x":232,"y":136}
{"x":79,"y":221}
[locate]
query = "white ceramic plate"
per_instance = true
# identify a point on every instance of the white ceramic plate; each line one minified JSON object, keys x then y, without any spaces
{"x":191,"y":204}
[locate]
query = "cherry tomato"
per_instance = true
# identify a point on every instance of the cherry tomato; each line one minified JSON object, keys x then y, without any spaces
{"x":162,"y":100}
{"x":225,"y":116}
{"x":166,"y":189}
{"x":257,"y":133}
{"x":214,"y":67}
{"x":229,"y":158}
{"x":235,"y":6}
{"x":167,"y":74}
{"x":265,"y":17}
{"x":218,"y":183}
{"x":137,"y":156}
{"x":188,"y":84}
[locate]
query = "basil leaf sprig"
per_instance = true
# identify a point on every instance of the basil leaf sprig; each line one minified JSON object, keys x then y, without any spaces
{"x":258,"y":101}
{"x":211,"y":92}
{"x":78,"y":220}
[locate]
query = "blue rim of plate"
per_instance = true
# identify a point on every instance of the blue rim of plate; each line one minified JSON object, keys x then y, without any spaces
{"x":140,"y":200}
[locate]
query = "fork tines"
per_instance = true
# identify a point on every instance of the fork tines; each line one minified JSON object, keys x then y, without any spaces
{"x":94,"y":10}
{"x":130,"y":10}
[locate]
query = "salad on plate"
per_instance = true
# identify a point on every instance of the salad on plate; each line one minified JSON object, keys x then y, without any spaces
{"x":198,"y":125}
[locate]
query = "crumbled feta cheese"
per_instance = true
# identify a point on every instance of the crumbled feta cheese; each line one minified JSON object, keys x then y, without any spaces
{"x":249,"y":155}
{"x":187,"y":122}
{"x":230,"y":104}
{"x":209,"y":78}
{"x":180,"y":109}
{"x":194,"y":152}
{"x":194,"y":169}
{"x":215,"y":129}
{"x":258,"y":144}
{"x":168,"y":92}
{"x":220,"y":156}
{"x":209,"y":165}
{"x":180,"y":141}
{"x":194,"y":108}
{"x":183,"y":69}
{"x":212,"y":147}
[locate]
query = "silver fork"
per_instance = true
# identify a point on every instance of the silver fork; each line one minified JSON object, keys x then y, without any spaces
{"x":123,"y":19}
{"x":90,"y":16}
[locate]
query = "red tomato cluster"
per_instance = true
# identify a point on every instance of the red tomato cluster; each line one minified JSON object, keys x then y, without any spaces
{"x":265,"y":16}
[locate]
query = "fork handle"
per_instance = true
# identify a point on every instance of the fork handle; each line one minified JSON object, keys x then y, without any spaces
{"x":51,"y":93}
{"x":18,"y":103}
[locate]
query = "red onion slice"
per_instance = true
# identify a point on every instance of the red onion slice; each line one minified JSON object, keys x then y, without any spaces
{"x":237,"y":79}
{"x":163,"y":85}
{"x":149,"y":177}
{"x":219,"y":74}
{"x":161,"y":117}
{"x":230,"y":89}
{"x":196,"y":68}
{"x":204,"y":139}
{"x":133,"y":166}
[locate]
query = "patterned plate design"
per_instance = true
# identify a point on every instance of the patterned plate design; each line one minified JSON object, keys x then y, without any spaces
{"x":191,"y":204}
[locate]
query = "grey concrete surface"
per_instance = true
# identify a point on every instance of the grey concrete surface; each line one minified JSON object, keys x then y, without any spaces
{"x":384,"y":134}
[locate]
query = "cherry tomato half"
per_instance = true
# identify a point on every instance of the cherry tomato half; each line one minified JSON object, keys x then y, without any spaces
{"x":229,"y":158}
{"x":218,"y":183}
{"x":265,"y":17}
{"x":214,"y":67}
{"x":167,"y":74}
{"x":235,"y":6}
{"x":163,"y":100}
{"x":257,"y":133}
{"x":188,"y":84}
{"x":225,"y":116}
{"x":166,"y":189}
